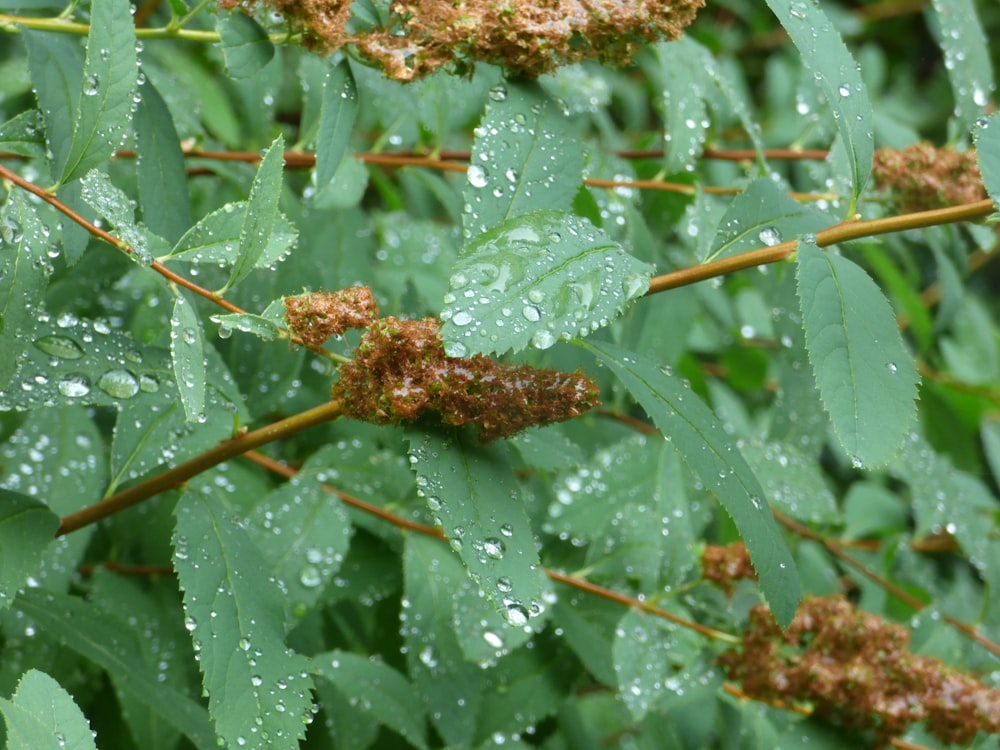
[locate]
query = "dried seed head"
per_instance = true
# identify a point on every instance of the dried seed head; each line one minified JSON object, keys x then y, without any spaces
{"x":923,"y":177}
{"x":317,"y":316}
{"x":400,"y":373}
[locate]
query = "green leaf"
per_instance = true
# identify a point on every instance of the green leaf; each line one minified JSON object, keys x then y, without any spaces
{"x":336,"y":121}
{"x":960,"y":35}
{"x":647,"y":651}
{"x":103,"y":113}
{"x":702,"y":442}
{"x":987,"y":140}
{"x":865,"y":377}
{"x":83,"y":628}
{"x":24,"y":271}
{"x":246,"y":47}
{"x":162,"y":181}
{"x":56,"y":455}
{"x":26,"y":528}
{"x":763,"y":215}
{"x":449,"y":686}
{"x":56,"y":62}
{"x":793,"y":480}
{"x":375,"y":689}
{"x":258,"y":689}
{"x":475,"y":499}
{"x":872,"y":510}
{"x":682,"y":101}
{"x":24,"y":134}
{"x":114,"y":205}
{"x":261,"y":215}
{"x":267,"y":326}
{"x":79,"y":362}
{"x":187,"y":352}
{"x":303,"y":533}
{"x":521,"y":159}
{"x":824,"y":53}
{"x":536,"y":279}
{"x":216,"y":238}
{"x":42,"y":715}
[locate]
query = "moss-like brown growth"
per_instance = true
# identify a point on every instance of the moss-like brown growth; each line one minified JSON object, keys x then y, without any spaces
{"x":855,"y":668}
{"x":317,"y":316}
{"x":400,"y":373}
{"x":526,"y":37}
{"x":724,"y":565}
{"x":923,"y":177}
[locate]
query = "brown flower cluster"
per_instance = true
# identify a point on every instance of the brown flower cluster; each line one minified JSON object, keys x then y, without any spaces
{"x":400,"y":373}
{"x":526,"y":37}
{"x":924,"y":177}
{"x":855,"y":668}
{"x":317,"y":316}
{"x":723,"y":565}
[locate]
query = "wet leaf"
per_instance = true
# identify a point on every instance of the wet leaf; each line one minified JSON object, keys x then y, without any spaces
{"x":216,"y":238}
{"x":187,"y":352}
{"x":536,"y":279}
{"x":114,"y":205}
{"x":246,"y":47}
{"x":42,"y":715}
{"x":987,"y":138}
{"x":959,"y":33}
{"x":26,"y":528}
{"x":338,"y":111}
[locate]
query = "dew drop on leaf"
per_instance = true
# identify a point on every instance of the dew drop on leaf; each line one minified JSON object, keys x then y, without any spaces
{"x":119,"y":383}
{"x":59,"y":346}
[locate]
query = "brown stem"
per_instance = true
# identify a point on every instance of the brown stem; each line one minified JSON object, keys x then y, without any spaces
{"x":851,"y":230}
{"x":179,"y":474}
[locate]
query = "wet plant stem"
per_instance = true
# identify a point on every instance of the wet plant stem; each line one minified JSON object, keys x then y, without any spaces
{"x":176,"y":476}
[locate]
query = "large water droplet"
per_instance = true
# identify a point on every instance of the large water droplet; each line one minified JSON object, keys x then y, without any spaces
{"x":119,"y":383}
{"x":531,"y":313}
{"x":478,"y":176}
{"x":73,"y":386}
{"x":60,"y":346}
{"x":494,"y":547}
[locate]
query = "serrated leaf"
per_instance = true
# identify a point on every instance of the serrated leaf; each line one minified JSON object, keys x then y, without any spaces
{"x":449,"y":686}
{"x":338,"y":111}
{"x":187,"y":353}
{"x":376,"y":689}
{"x":702,"y":442}
{"x":42,"y":715}
{"x":246,"y":47}
{"x":103,"y":113}
{"x":78,"y":362}
{"x":56,"y":62}
{"x":216,"y":238}
{"x":161,"y":178}
{"x":24,"y":271}
{"x":56,"y":455}
{"x":521,"y":160}
{"x":114,"y":205}
{"x":824,"y":53}
{"x":83,"y":628}
{"x":865,"y":376}
{"x":682,"y":103}
{"x":26,"y":528}
{"x":483,"y":634}
{"x":536,"y":279}
{"x":987,"y":140}
{"x":261,"y":214}
{"x":763,"y":215}
{"x":345,"y":189}
{"x":260,"y":326}
{"x":471,"y":491}
{"x":960,"y":35}
{"x":647,"y":651}
{"x":24,"y":134}
{"x":793,"y":481}
{"x":258,"y":689}
{"x":303,"y":533}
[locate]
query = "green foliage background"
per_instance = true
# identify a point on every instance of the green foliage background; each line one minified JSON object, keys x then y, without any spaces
{"x":246,"y":609}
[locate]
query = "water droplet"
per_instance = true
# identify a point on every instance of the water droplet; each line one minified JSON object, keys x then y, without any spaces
{"x":256,"y":680}
{"x":543,"y":339}
{"x":310,"y":577}
{"x":119,"y":383}
{"x":507,"y":530}
{"x":478,"y":176}
{"x":504,"y":585}
{"x":494,"y":547}
{"x":498,"y":93}
{"x":73,"y":386}
{"x":59,"y":346}
{"x":769,"y":236}
{"x":516,"y":615}
{"x":857,"y":463}
{"x":891,"y":367}
{"x":531,"y":313}
{"x":492,"y":639}
{"x":91,"y":84}
{"x":461,"y":318}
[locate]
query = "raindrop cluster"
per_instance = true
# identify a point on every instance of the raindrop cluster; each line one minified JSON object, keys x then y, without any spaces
{"x":400,"y":373}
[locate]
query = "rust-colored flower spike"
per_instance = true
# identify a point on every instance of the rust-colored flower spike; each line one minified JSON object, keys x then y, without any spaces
{"x":856,"y":670}
{"x":526,"y":37}
{"x":400,"y":372}
{"x":923,"y":177}
{"x":724,"y":565}
{"x":317,"y":316}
